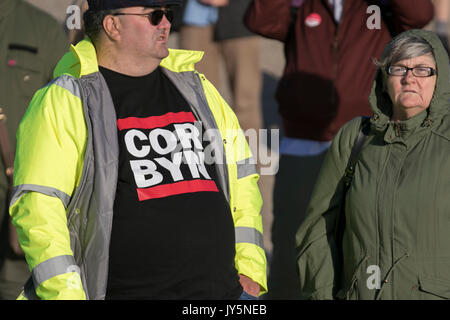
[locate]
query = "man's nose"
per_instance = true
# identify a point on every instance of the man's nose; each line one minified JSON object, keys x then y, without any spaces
{"x":165,"y":23}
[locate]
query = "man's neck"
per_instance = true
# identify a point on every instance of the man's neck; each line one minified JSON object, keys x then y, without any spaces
{"x":125,"y":64}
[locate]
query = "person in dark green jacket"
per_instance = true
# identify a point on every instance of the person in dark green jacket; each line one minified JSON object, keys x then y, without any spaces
{"x":396,"y":239}
{"x":31,"y":43}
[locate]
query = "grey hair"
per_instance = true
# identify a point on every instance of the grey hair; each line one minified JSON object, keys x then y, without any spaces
{"x":404,"y":46}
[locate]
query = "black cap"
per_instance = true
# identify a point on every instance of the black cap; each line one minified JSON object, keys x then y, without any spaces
{"x":97,"y":5}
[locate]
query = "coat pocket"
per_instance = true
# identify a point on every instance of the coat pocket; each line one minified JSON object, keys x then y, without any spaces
{"x":25,"y":71}
{"x":437,"y":287}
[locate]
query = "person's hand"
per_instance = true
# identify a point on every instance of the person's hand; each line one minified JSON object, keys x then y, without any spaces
{"x":215,"y":3}
{"x":14,"y":240}
{"x":249,"y":286}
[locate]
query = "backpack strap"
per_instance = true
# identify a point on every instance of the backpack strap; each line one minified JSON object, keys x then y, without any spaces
{"x":347,"y":179}
{"x":359,"y":141}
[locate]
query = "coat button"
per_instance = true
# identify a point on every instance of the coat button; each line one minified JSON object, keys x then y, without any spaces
{"x":26,"y":78}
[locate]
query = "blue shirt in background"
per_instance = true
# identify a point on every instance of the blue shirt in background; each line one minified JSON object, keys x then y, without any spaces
{"x":198,"y":14}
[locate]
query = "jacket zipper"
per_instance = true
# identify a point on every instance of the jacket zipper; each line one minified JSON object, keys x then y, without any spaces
{"x":72,"y":207}
{"x":393,"y":207}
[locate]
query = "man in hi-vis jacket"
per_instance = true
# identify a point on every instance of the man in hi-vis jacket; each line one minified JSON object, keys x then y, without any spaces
{"x":133,"y":179}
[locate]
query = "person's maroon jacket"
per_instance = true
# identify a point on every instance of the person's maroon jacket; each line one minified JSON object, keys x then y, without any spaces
{"x":329,"y":67}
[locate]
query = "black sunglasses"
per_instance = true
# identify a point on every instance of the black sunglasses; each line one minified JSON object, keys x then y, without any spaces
{"x":154,"y":17}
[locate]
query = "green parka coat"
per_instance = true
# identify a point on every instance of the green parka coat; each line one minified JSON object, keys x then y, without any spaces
{"x":396,"y":242}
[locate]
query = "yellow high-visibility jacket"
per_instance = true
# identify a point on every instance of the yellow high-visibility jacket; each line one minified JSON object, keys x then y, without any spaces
{"x":66,"y":170}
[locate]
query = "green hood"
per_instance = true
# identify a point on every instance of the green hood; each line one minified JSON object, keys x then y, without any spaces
{"x":439,"y":106}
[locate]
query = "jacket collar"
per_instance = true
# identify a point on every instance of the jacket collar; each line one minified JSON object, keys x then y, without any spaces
{"x":81,"y":60}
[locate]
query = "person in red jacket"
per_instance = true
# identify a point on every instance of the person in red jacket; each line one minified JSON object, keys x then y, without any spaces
{"x":329,"y":49}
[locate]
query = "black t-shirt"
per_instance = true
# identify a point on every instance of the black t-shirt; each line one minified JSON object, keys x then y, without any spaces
{"x":173,"y":233}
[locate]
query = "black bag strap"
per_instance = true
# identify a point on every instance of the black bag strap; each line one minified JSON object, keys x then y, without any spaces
{"x":347,"y":179}
{"x":359,"y":141}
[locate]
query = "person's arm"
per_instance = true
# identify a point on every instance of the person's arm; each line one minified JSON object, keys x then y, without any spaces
{"x":245,"y":198}
{"x":215,"y":3}
{"x":442,"y":10}
{"x":48,"y":165}
{"x":250,"y":256}
{"x":315,"y":239}
{"x":411,"y":14}
{"x":269,"y":18}
{"x":441,"y":21}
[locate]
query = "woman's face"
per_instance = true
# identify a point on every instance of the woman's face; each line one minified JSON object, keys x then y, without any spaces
{"x":409,"y":94}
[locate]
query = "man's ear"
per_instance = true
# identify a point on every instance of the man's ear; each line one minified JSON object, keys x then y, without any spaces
{"x":111,"y":26}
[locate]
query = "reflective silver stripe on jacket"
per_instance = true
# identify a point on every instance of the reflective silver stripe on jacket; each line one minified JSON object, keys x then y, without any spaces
{"x":53,"y":267}
{"x":249,"y":235}
{"x":246,"y":167}
{"x":191,"y":88}
{"x":19,"y":190}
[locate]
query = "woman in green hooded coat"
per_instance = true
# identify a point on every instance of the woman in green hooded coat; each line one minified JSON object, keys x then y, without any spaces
{"x":396,"y":235}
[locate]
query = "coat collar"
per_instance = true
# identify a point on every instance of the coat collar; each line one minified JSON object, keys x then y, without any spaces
{"x":81,"y":60}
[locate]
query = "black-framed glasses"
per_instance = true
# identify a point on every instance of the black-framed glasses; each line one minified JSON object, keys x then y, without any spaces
{"x":420,"y":72}
{"x":154,"y":17}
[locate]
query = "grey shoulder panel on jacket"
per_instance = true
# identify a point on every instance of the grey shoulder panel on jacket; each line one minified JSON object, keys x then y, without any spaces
{"x":67,"y":82}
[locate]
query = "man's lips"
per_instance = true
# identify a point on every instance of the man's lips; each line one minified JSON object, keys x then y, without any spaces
{"x":162,"y":37}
